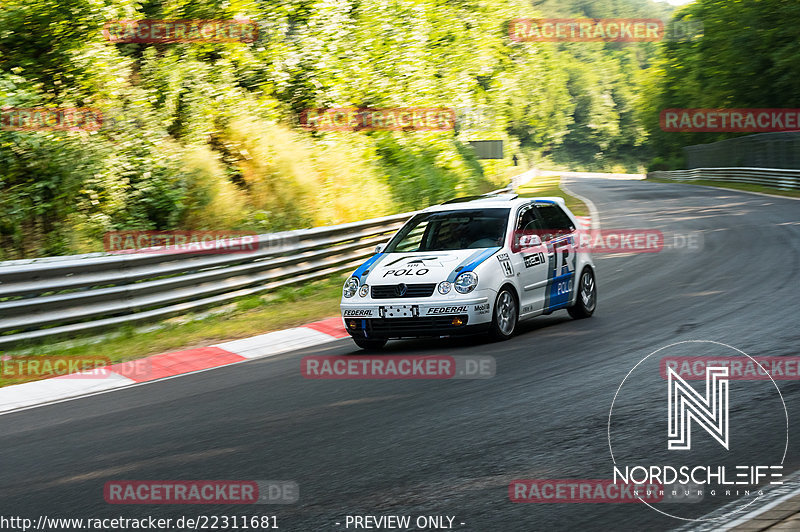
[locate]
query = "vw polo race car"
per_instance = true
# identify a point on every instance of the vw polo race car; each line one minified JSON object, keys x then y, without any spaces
{"x":471,"y":265}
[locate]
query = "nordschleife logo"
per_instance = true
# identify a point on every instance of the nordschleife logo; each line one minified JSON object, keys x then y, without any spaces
{"x":685,"y":405}
{"x":727,"y":435}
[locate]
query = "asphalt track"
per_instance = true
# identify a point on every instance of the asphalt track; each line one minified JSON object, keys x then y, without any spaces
{"x":445,"y":447}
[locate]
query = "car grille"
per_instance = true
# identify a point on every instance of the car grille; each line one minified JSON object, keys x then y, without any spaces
{"x":389,"y":291}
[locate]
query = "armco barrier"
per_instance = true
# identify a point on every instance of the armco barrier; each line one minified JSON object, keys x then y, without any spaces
{"x":61,"y":296}
{"x":64,"y":296}
{"x":770,"y":177}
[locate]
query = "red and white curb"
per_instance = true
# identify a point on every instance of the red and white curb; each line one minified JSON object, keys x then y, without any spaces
{"x":157,"y":367}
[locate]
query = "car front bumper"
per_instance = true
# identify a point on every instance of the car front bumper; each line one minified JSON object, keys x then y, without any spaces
{"x":413,"y":318}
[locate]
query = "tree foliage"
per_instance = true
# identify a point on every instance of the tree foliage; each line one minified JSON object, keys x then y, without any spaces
{"x":205,"y":135}
{"x":747,"y":57}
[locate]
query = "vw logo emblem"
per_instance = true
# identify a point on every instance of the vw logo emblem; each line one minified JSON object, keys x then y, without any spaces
{"x":401,"y":289}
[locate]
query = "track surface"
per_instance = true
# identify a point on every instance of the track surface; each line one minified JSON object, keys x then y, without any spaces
{"x":441,"y":447}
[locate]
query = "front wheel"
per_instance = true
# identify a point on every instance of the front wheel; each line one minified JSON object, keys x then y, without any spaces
{"x":586,"y":301}
{"x":370,"y":343}
{"x":504,"y":319}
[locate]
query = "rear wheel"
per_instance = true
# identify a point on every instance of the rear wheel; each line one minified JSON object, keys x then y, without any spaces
{"x":504,"y":319}
{"x":370,"y":343}
{"x":586,"y":301}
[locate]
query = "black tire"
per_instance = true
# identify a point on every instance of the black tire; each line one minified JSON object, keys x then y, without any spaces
{"x":370,"y":343}
{"x":586,"y":299}
{"x":505,"y":316}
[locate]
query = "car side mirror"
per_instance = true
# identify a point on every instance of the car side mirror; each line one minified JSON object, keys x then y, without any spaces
{"x":529,"y":241}
{"x":379,"y":248}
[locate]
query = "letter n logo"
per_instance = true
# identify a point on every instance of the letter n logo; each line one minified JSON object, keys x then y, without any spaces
{"x":685,"y":405}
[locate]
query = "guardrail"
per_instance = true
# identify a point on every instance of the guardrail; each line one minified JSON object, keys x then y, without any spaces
{"x":61,"y":296}
{"x":770,"y":177}
{"x":64,"y":296}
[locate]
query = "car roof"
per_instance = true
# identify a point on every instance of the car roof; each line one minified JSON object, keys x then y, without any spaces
{"x":491,"y":201}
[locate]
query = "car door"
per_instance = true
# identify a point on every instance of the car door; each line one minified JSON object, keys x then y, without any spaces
{"x":529,"y":257}
{"x":558,"y":235}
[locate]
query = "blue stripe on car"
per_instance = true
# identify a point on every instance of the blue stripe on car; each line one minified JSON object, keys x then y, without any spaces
{"x":471,"y":262}
{"x":555,"y":300}
{"x":364,"y":269}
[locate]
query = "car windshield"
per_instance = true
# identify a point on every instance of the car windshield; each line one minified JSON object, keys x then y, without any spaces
{"x":440,"y":231}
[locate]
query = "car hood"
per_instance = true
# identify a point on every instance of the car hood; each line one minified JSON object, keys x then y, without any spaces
{"x":428,"y":267}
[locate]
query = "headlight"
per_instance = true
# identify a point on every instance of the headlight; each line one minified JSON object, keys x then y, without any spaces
{"x":364,"y":290}
{"x":466,"y":282}
{"x":350,"y":287}
{"x":444,"y":287}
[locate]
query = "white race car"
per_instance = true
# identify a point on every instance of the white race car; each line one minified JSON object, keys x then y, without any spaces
{"x":472,"y":265}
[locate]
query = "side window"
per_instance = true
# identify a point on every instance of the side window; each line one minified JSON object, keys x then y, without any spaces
{"x":527,"y":224}
{"x":555,"y":221}
{"x":527,"y":220}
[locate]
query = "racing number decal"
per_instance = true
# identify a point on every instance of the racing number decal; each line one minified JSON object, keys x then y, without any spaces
{"x":505,"y":262}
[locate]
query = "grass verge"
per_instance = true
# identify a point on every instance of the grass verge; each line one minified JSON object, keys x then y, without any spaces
{"x":733,"y":186}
